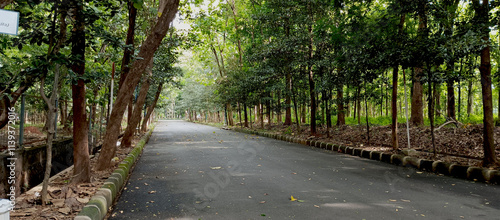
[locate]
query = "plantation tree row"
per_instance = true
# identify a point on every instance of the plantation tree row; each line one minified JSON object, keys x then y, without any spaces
{"x":320,"y":62}
{"x":70,"y":51}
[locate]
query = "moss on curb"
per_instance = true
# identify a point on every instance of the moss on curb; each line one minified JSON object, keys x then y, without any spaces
{"x":98,"y":206}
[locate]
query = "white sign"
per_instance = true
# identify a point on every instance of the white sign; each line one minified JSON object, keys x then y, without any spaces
{"x":9,"y":22}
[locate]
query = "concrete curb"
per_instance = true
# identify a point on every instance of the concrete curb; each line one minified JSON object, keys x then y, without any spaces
{"x":99,"y":204}
{"x":478,"y":174}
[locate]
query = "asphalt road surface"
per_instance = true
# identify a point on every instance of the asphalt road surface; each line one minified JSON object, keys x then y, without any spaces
{"x":192,"y":171}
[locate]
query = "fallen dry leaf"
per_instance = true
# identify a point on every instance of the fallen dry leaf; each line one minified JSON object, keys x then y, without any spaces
{"x":58,"y":202}
{"x":64,"y":210}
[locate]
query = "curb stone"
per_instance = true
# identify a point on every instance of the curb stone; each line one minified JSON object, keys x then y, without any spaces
{"x":375,"y":155}
{"x":365,"y":154}
{"x":405,"y":159}
{"x":99,"y":204}
{"x":357,"y":152}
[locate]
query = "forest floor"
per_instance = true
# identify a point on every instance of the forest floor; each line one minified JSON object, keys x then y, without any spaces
{"x":462,"y":144}
{"x":67,"y":199}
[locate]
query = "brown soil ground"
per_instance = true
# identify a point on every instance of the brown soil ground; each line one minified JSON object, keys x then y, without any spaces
{"x":462,"y":144}
{"x":67,"y":199}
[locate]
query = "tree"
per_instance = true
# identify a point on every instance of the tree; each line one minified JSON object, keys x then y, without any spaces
{"x":136,"y":114}
{"x":482,"y":11}
{"x":81,"y":171}
{"x":146,"y":52}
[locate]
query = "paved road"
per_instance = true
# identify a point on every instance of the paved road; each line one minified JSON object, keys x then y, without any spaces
{"x":191,"y":171}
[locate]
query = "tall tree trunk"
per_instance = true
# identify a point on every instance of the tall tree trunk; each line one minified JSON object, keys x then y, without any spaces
{"x":394,"y":98}
{"x":470,"y":97}
{"x":261,"y":114}
{"x":359,"y":104}
{"x":417,"y":105}
{"x":127,"y":53}
{"x":288,"y":101}
{"x":450,"y":110}
{"x":269,"y":112}
{"x":340,"y":106}
{"x":451,"y":7}
{"x":366,"y":117}
{"x":146,"y":52}
{"x":355,"y":103}
{"x":437,"y":101}
{"x":245,"y":113}
{"x":431,"y":111}
{"x":482,"y":14}
{"x":136,"y":115}
{"x":394,"y":108}
{"x":129,"y":43}
{"x":239,"y":113}
{"x":251,"y":124}
{"x":279,"y":119}
{"x":312,"y":87}
{"x":295,"y":104}
{"x":328,"y":112}
{"x":51,"y":114}
{"x":81,"y":171}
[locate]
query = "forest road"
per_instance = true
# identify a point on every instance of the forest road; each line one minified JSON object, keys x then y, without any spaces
{"x":192,"y":171}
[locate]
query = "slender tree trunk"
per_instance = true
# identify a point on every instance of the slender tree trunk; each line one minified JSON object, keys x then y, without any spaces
{"x":269,"y":112}
{"x":81,"y":171}
{"x":394,"y":108}
{"x":129,"y":42}
{"x":261,"y":114}
{"x":437,"y":101}
{"x":312,"y":87}
{"x":51,"y":113}
{"x":417,"y":105}
{"x":451,"y":7}
{"x":239,"y":113}
{"x":460,"y":90}
{"x":431,"y":109}
{"x":366,"y":117}
{"x":279,"y":119}
{"x":295,"y":104}
{"x":328,"y":113}
{"x":359,"y":105}
{"x":245,"y":112}
{"x":482,"y":13}
{"x":288,"y":101}
{"x":355,"y":103}
{"x":469,"y":98}
{"x":146,"y":52}
{"x":251,"y":124}
{"x":450,"y":110}
{"x":127,"y":53}
{"x":136,"y":115}
{"x":340,"y":106}
{"x":152,"y":107}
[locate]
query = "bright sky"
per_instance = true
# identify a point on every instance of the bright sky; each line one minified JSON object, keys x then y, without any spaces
{"x":177,"y":23}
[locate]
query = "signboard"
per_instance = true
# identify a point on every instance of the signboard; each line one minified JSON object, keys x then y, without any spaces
{"x":9,"y":22}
